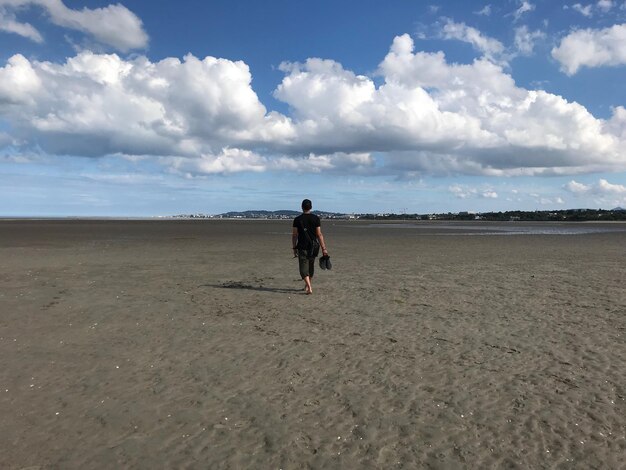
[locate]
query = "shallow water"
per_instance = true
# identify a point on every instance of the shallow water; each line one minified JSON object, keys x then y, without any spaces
{"x":513,"y":228}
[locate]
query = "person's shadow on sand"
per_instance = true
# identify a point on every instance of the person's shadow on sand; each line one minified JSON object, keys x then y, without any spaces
{"x":260,"y":288}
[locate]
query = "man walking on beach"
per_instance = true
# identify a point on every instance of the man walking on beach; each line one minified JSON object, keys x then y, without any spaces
{"x":306,"y":227}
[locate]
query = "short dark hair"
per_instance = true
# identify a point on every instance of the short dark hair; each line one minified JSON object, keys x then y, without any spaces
{"x":307,"y":205}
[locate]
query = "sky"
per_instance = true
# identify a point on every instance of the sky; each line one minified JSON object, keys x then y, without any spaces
{"x":155,"y":108}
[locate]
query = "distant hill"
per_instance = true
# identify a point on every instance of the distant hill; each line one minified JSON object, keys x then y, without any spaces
{"x":281,"y":214}
{"x":258,"y":214}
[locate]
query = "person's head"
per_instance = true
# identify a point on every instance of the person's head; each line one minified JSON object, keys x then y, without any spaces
{"x":307,"y":205}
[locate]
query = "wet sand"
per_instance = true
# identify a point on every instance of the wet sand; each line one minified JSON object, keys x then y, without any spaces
{"x":190,"y":344}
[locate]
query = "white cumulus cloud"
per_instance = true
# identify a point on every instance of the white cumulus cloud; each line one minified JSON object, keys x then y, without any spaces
{"x":461,"y":192}
{"x":202,"y":116}
{"x":490,"y":47}
{"x":602,"y":187}
{"x":98,"y":104}
{"x":586,"y":10}
{"x":232,"y":160}
{"x":525,"y":40}
{"x":592,"y":48}
{"x":525,"y":7}
{"x":466,"y":192}
{"x":484,"y":11}
{"x":511,"y":125}
{"x":600,"y":193}
{"x":9,"y":24}
{"x":113,"y":25}
{"x":577,"y":188}
{"x":607,"y":188}
{"x":605,"y":5}
{"x":229,"y":160}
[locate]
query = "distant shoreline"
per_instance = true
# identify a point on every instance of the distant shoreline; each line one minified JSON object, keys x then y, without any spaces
{"x":252,"y":219}
{"x":566,"y":215}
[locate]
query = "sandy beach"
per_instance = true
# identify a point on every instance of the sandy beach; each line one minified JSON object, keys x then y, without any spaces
{"x":190,"y":344}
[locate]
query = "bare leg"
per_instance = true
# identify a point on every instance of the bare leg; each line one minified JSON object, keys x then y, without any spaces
{"x":308,"y":288}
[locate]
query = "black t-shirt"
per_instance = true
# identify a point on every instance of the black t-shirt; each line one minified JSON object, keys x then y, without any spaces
{"x":310,"y":222}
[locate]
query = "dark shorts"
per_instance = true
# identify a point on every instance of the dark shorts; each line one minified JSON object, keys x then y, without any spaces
{"x":306,"y":265}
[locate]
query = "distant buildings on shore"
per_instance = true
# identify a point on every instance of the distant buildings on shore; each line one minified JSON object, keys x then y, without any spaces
{"x":284,"y":214}
{"x":561,"y":215}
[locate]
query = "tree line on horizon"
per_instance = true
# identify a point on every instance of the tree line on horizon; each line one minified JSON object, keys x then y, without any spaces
{"x":567,"y":215}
